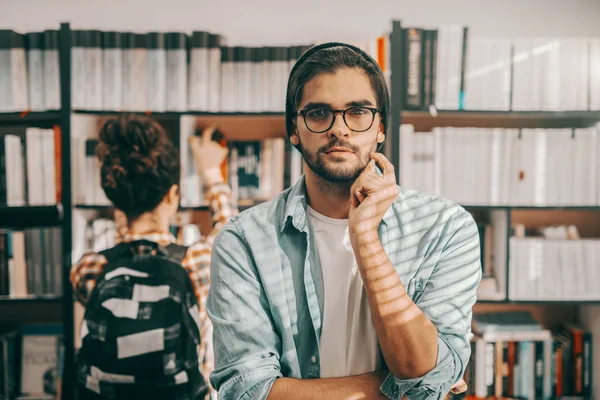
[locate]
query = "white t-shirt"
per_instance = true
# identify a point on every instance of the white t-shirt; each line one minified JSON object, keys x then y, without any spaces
{"x":348,"y":344}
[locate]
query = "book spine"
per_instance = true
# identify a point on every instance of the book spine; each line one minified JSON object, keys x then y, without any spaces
{"x":5,"y":73}
{"x":20,"y":91}
{"x":35,"y":70}
{"x":414,"y":58}
{"x":434,"y":61}
{"x":112,"y":71}
{"x":51,"y":71}
{"x":58,"y":163}
{"x":463,"y":67}
{"x":3,"y":172}
{"x":587,"y":365}
{"x":228,"y":98}
{"x":539,"y":371}
{"x":78,"y":69}
{"x":157,"y":72}
{"x":199,"y":72}
{"x":93,"y":72}
{"x":215,"y":43}
{"x":177,"y":71}
{"x":4,"y":275}
{"x":490,"y":368}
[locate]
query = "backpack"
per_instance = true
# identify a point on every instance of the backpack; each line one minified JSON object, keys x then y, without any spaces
{"x":141,"y":330}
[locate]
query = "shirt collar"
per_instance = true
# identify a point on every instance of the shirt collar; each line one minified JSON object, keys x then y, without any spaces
{"x":160,"y":237}
{"x":296,"y":206}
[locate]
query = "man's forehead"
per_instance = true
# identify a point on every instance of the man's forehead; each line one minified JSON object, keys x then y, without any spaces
{"x":342,"y":87}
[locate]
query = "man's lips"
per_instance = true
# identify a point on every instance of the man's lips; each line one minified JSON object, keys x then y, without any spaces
{"x":339,"y":149}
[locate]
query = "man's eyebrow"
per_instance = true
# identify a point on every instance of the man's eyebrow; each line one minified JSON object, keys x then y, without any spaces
{"x":354,"y":103}
{"x":359,"y":103}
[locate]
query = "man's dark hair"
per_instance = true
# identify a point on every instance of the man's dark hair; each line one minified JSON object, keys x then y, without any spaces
{"x":329,"y":58}
{"x":139,"y":163}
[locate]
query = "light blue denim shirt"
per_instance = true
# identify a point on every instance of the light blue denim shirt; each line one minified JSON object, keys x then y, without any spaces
{"x":266,"y":294}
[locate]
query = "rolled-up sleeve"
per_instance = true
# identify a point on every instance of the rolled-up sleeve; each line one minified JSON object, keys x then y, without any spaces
{"x":245,"y":344}
{"x":447,"y":300}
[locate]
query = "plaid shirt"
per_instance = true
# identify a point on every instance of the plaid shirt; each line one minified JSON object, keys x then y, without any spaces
{"x":85,"y":273}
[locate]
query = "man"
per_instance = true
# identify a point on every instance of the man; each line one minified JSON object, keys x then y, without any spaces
{"x":344,"y":286}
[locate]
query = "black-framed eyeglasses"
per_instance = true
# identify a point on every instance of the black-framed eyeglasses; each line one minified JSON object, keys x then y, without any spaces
{"x":357,"y":119}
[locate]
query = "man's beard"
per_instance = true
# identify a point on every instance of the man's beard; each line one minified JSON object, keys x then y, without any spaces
{"x":331,"y":172}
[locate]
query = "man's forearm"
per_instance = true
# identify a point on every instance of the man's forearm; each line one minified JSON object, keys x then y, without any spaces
{"x":352,"y":388}
{"x":407,"y":338}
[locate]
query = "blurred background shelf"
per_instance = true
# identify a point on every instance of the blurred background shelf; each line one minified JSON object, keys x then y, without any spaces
{"x":24,"y":217}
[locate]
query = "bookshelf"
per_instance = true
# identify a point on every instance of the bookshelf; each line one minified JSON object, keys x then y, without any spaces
{"x":549,"y":310}
{"x":249,"y":126}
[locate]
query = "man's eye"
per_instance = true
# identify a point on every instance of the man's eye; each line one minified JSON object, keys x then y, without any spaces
{"x":357,"y":111}
{"x":317,"y":113}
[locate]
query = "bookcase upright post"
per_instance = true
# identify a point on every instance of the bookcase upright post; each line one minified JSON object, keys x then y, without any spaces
{"x":392,"y":148}
{"x":66,"y":203}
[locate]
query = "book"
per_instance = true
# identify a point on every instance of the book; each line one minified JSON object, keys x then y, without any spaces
{"x":35,"y":70}
{"x":51,"y":71}
{"x":13,"y":73}
{"x":177,"y":71}
{"x":112,"y":71}
{"x":156,"y":96}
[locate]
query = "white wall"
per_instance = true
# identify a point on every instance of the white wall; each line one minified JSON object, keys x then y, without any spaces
{"x":258,"y":22}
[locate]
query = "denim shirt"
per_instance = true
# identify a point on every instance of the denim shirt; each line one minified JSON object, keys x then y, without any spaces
{"x":266,"y":294}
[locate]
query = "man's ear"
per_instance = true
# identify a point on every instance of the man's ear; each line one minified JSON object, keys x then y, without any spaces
{"x":294,"y":138}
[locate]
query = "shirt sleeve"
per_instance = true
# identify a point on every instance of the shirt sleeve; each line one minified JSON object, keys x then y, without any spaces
{"x":447,"y":300}
{"x":222,"y":208}
{"x":84,"y":275}
{"x":246,"y":351}
{"x":197,"y":265}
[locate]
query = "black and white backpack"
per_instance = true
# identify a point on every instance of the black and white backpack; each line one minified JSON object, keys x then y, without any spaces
{"x":141,"y":330}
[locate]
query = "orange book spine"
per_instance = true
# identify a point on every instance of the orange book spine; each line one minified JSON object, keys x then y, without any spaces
{"x":381,"y":56}
{"x":58,"y":162}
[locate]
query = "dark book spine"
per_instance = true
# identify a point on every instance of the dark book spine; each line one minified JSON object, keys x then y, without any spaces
{"x":463,"y":67}
{"x":427,"y":61}
{"x":3,"y":173}
{"x":414,"y":68}
{"x":538,"y":370}
{"x":434,"y":48}
{"x":490,"y":365}
{"x":587,"y":365}
{"x":4,"y":278}
{"x":504,"y":365}
{"x":509,"y":390}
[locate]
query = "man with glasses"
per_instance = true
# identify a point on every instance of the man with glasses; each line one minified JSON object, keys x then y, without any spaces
{"x":344,"y":286}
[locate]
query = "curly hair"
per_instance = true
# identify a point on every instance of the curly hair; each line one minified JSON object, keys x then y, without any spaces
{"x":139,"y":163}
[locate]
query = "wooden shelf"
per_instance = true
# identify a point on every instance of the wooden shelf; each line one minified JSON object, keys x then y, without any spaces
{"x":30,"y":299}
{"x":425,"y":121}
{"x":43,"y":119}
{"x":30,"y":216}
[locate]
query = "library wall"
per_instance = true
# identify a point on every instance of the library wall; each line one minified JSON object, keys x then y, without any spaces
{"x":297,"y":22}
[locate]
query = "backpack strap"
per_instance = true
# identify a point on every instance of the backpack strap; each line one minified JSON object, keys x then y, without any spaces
{"x":116,"y":252}
{"x":176,"y":251}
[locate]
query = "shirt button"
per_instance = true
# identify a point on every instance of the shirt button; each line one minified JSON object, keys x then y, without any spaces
{"x":313,"y":359}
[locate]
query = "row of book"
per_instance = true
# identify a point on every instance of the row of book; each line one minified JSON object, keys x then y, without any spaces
{"x":554,"y":269}
{"x":255,"y":170}
{"x":30,"y":74}
{"x":514,"y":357}
{"x":31,"y":263}
{"x":30,"y":166}
{"x":494,"y":166}
{"x":31,"y":362}
{"x":448,"y":68}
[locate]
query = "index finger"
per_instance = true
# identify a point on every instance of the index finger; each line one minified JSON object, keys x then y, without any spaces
{"x":383,"y":162}
{"x":208,"y":132}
